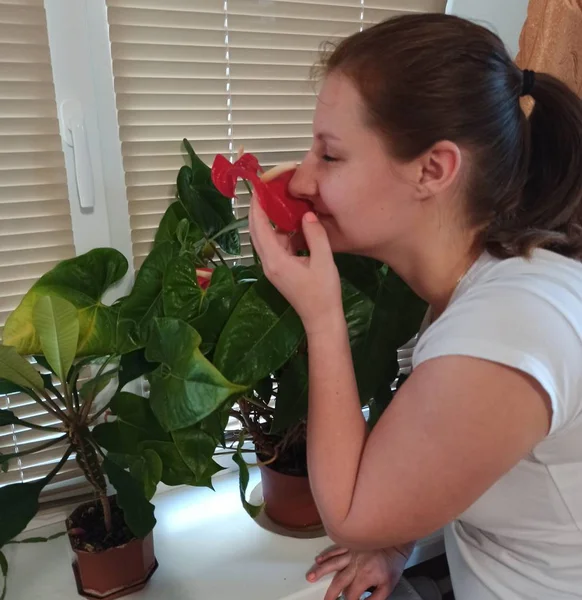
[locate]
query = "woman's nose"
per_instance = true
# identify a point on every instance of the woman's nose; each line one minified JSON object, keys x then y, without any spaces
{"x":304,"y":184}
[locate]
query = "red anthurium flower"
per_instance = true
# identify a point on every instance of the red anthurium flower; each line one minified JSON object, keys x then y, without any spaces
{"x":203,"y":276}
{"x":271,"y":188}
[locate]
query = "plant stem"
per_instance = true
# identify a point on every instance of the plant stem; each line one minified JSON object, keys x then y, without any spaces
{"x":61,"y":462}
{"x":106,"y":512}
{"x":36,"y":448}
{"x":48,"y":407}
{"x":98,"y":414}
{"x":220,"y":257}
{"x":87,"y":406}
{"x":40,"y":427}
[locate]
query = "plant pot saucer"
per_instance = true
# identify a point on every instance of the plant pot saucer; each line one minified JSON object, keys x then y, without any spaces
{"x":263,"y":520}
{"x":136,"y":587}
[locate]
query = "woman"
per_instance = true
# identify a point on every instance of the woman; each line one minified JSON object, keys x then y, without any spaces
{"x":423,"y":159}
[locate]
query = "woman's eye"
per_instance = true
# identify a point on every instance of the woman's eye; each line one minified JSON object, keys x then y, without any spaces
{"x":328,"y":158}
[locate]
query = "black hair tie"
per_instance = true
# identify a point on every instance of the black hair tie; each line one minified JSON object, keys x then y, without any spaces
{"x":529,"y":80}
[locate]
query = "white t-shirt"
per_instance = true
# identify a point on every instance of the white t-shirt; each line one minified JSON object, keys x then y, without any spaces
{"x":523,"y":538}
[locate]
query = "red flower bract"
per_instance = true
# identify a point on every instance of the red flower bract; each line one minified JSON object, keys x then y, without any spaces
{"x":284,"y":210}
{"x":203,"y":277}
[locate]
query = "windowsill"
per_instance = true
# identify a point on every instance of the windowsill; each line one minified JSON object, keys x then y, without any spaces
{"x":207,"y":547}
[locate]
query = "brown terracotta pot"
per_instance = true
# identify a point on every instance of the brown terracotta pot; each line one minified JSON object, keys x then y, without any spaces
{"x":288,"y":500}
{"x":117,"y":571}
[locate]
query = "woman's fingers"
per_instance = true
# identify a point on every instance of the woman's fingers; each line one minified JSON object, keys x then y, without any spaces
{"x":339,"y":583}
{"x":356,"y":590}
{"x":331,"y":553}
{"x":330,"y":565}
{"x":316,"y":238}
{"x":382,"y":592}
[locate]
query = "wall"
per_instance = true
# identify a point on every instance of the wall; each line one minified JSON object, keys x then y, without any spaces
{"x":505,"y":17}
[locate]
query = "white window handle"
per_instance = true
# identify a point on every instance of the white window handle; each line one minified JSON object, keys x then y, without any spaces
{"x":74,"y":135}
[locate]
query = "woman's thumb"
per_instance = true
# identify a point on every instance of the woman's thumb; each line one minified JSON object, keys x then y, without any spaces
{"x":316,"y":237}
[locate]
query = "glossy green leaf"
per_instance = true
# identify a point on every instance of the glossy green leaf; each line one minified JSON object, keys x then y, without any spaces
{"x":82,"y":281}
{"x":358,"y":309}
{"x":196,"y":447}
{"x":234,"y":226}
{"x":186,"y":387}
{"x":136,"y":411}
{"x":93,"y":387}
{"x":18,"y":505}
{"x":132,"y":366}
{"x":291,"y":403}
{"x":18,"y":370}
{"x":147,"y":469}
{"x":252,"y":510}
{"x":362,"y":273}
{"x":7,"y":387}
{"x":57,"y":326}
{"x":201,"y":174}
{"x":206,"y":479}
{"x":182,"y":297}
{"x":395,"y":320}
{"x":174,"y":470}
{"x":118,"y":437}
{"x":261,"y":334}
{"x":168,"y":227}
{"x":144,"y":303}
{"x":137,"y":510}
{"x":209,"y":209}
{"x":222,"y":295}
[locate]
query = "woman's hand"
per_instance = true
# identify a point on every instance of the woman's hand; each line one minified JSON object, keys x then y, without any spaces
{"x":310,"y":284}
{"x":356,"y":572}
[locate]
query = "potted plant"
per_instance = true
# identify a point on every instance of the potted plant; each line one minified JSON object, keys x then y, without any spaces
{"x":234,"y":322}
{"x":112,"y":536}
{"x":64,"y":325}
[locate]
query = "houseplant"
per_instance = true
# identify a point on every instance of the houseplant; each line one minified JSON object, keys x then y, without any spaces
{"x":112,"y":537}
{"x":63,"y":323}
{"x":249,"y":333}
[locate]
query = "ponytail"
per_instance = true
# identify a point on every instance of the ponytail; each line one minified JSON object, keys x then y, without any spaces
{"x":549,"y":214}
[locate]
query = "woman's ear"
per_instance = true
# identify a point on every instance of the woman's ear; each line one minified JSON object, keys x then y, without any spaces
{"x":439,"y":168}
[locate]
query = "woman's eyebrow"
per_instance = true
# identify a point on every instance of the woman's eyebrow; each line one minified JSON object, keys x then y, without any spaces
{"x":323,"y":136}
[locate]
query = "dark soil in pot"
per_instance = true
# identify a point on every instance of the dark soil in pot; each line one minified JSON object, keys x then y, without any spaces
{"x":87,"y":532}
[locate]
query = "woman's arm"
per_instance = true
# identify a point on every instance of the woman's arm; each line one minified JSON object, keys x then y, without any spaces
{"x":455,"y":427}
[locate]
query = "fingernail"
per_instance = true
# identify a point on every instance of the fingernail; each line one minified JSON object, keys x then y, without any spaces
{"x":311,"y":576}
{"x":310,"y":217}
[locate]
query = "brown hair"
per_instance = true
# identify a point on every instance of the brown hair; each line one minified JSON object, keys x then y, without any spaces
{"x":432,"y":77}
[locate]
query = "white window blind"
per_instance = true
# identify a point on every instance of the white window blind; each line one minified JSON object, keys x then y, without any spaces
{"x":222,"y":73}
{"x":35,"y":222}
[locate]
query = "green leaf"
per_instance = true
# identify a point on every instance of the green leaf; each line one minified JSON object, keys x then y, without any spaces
{"x":137,"y":510}
{"x":93,"y":387}
{"x":182,"y":297}
{"x":234,"y":226}
{"x":395,"y":320}
{"x":209,"y":209}
{"x":206,"y":479}
{"x":222,"y":296}
{"x":136,"y":411}
{"x":18,"y":505}
{"x":40,"y":540}
{"x":291,"y":403}
{"x":358,"y":310}
{"x":4,"y":570}
{"x":57,"y":326}
{"x":7,"y":387}
{"x":186,"y":387}
{"x":144,"y":303}
{"x":148,"y":470}
{"x":196,"y":447}
{"x":18,"y":370}
{"x":252,"y":510}
{"x":261,"y":334}
{"x":7,"y":417}
{"x":135,"y":423}
{"x":201,"y":173}
{"x":82,"y":281}
{"x":362,"y":273}
{"x":168,"y":227}
{"x":132,"y":366}
{"x":174,"y":470}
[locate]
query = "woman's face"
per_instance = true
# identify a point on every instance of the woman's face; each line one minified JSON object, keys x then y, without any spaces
{"x":364,"y":198}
